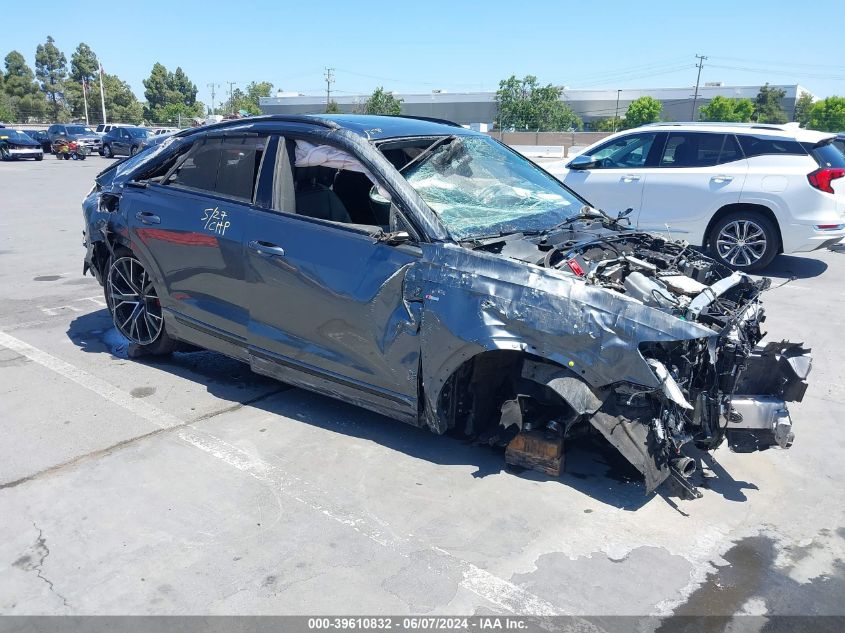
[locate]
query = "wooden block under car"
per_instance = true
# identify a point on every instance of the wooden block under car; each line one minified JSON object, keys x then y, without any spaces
{"x":537,"y":450}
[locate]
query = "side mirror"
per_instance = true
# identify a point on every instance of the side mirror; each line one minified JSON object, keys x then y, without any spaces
{"x":582,"y":162}
{"x":623,"y":216}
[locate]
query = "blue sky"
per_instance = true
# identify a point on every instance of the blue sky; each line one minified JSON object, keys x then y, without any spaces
{"x":454,"y":46}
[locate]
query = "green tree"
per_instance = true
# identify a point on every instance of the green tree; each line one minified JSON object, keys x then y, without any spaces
{"x":6,"y":111}
{"x":828,"y":115}
{"x":178,"y":82}
{"x":382,"y":102}
{"x":156,"y":90}
{"x":643,"y":110}
{"x":332,"y":107}
{"x":121,"y":104}
{"x":51,"y":70}
{"x":84,"y":65}
{"x":523,"y":104}
{"x":611,"y":124}
{"x":767,"y":105}
{"x":25,"y":97}
{"x":170,"y":95}
{"x":803,"y":105}
{"x":248,"y":101}
{"x":728,"y":110}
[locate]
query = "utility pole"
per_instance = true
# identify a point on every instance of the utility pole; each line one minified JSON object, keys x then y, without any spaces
{"x":616,"y":116}
{"x":213,"y":93}
{"x":102,"y":93}
{"x":231,"y":96}
{"x":85,"y":98}
{"x":329,"y":81}
{"x":701,"y":59}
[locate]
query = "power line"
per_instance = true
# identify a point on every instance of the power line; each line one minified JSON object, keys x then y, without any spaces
{"x":701,"y":59}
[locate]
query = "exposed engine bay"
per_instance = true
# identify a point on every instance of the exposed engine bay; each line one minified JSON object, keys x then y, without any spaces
{"x":723,"y":387}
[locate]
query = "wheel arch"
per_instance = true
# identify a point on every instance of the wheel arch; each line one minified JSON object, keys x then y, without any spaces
{"x":472,"y":394}
{"x":736,"y":207}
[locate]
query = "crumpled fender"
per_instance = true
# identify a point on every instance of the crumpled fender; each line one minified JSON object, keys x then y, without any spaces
{"x":475,"y":301}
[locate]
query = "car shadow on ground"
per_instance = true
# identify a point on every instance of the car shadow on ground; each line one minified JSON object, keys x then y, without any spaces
{"x":592,"y":466}
{"x":787,"y":266}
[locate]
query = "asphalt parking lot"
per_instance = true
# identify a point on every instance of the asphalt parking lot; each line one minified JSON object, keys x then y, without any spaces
{"x":189,"y":485}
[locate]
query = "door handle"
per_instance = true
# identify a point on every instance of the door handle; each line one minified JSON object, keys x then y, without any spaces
{"x":145,"y":217}
{"x":630,"y":178}
{"x":266,"y":248}
{"x":722,"y":178}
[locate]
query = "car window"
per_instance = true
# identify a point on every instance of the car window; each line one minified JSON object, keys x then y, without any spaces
{"x":698,"y":149}
{"x":227,"y":167}
{"x":769,"y":145}
{"x":828,"y":155}
{"x":626,"y":151}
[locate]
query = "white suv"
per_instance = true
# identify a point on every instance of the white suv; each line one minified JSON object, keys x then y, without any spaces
{"x":746,"y":191}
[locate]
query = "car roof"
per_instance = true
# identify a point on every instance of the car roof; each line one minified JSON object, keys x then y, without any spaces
{"x":375,"y":127}
{"x":785,"y":130}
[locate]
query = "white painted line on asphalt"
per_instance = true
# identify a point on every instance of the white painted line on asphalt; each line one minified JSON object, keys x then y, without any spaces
{"x":482,"y":583}
{"x":142,"y":409}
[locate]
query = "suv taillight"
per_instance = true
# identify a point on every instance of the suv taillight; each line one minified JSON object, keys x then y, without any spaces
{"x":821,"y":178}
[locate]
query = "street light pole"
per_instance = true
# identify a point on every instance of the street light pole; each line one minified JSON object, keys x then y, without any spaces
{"x":616,"y":116}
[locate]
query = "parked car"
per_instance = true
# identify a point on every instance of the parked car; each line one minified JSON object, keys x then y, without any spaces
{"x":41,"y":137}
{"x":747,"y":192}
{"x":430,"y":273}
{"x":81,"y":134}
{"x":104,"y":128}
{"x":15,"y":144}
{"x":124,"y":141}
{"x":164,"y":130}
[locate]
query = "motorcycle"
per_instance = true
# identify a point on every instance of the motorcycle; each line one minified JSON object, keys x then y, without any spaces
{"x":70,"y":150}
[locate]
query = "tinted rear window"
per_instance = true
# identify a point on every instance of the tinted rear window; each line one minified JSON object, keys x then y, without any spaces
{"x":828,"y":155}
{"x":769,"y":145}
{"x":227,"y":167}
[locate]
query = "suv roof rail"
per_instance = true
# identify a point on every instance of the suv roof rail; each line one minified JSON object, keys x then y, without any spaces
{"x":782,"y":127}
{"x":287,"y":118}
{"x":430,"y":119}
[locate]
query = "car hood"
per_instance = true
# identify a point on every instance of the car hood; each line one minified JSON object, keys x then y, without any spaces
{"x":20,"y":142}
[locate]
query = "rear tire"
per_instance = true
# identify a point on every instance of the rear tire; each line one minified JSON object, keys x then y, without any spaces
{"x":40,"y":157}
{"x":134,"y":305}
{"x":744,"y":241}
{"x":133,"y":150}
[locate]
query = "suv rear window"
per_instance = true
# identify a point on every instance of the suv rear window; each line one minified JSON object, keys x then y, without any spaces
{"x":228,"y":167}
{"x":768,"y":145}
{"x":827,"y":155}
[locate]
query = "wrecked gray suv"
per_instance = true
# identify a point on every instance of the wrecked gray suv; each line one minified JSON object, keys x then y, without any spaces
{"x":431,"y":274}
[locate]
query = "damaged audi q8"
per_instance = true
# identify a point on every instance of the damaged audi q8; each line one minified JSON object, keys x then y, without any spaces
{"x":431,"y":274}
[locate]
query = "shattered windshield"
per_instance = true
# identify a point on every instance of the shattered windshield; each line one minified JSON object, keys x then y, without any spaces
{"x":479,"y":188}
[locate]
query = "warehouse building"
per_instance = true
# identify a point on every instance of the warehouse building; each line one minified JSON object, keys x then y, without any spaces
{"x":478,"y":109}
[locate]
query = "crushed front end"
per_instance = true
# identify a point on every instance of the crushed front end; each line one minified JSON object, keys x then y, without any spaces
{"x":724,"y":387}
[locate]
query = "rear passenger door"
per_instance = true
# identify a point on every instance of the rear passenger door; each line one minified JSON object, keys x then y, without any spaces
{"x":697,"y":173}
{"x":188,"y":228}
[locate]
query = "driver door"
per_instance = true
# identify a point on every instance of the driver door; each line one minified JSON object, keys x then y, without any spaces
{"x":616,"y":181}
{"x":328,"y":306}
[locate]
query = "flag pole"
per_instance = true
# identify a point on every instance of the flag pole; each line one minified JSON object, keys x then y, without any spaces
{"x":85,"y":100}
{"x":102,"y":95}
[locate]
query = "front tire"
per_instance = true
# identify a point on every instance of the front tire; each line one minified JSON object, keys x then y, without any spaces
{"x":107,"y":151}
{"x":133,"y":150}
{"x":134,"y":304}
{"x":744,"y":241}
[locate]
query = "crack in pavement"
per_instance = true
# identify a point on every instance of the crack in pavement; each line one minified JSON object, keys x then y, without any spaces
{"x":41,"y":550}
